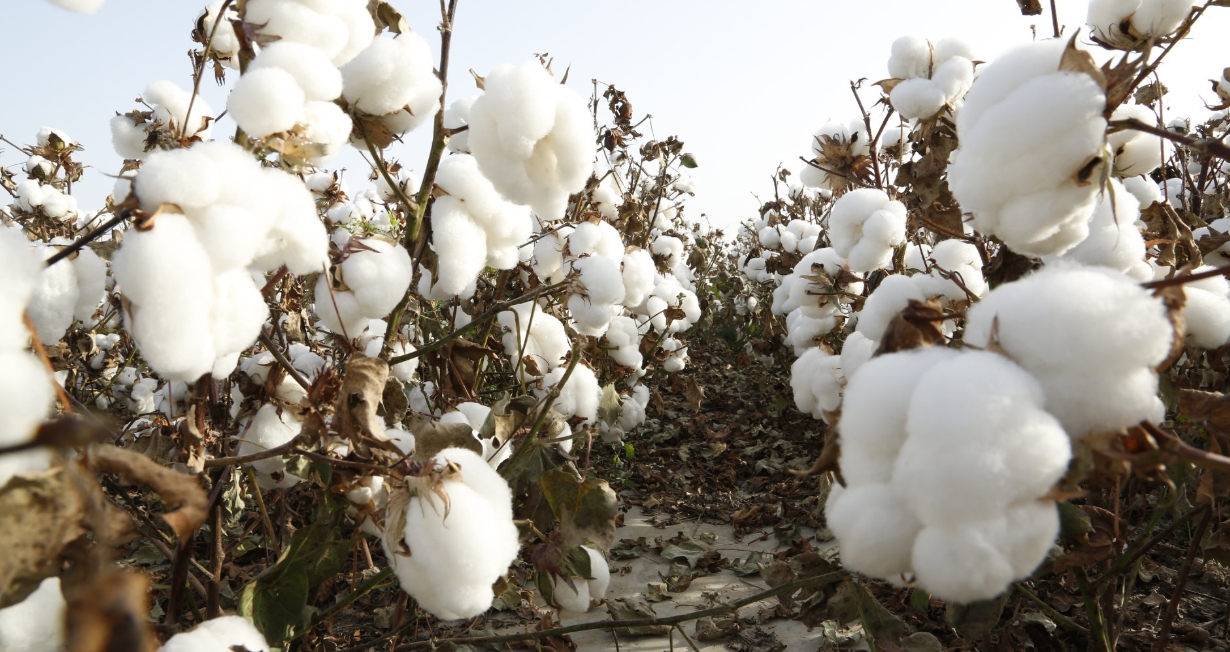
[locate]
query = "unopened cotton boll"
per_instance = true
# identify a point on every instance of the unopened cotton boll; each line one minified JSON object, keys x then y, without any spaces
{"x":221,"y":634}
{"x":531,"y":137}
{"x":1028,"y":131}
{"x":266,"y":101}
{"x":448,"y":555}
{"x":816,"y":381}
{"x":394,"y":75}
{"x":1090,"y":335}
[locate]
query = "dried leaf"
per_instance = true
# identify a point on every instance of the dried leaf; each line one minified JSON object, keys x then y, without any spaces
{"x":975,"y":619}
{"x":918,"y":325}
{"x":360,"y":396}
{"x":634,"y":609}
{"x":1075,"y":59}
{"x":40,"y":514}
{"x":694,"y":393}
{"x":586,"y":509}
{"x":109,"y":613}
{"x":180,"y":491}
{"x":431,"y":437}
{"x":852,"y":602}
{"x":388,"y":17}
{"x":609,"y":405}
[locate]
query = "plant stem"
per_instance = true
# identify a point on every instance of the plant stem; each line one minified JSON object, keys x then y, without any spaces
{"x":1172,"y":609}
{"x":89,"y":237}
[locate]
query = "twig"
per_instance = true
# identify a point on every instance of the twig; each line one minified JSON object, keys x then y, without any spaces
{"x":1169,"y":442}
{"x":1054,"y":19}
{"x":200,"y":69}
{"x":1139,"y":549}
{"x":875,"y":160}
{"x":1172,"y":609}
{"x":283,"y":449}
{"x":1206,"y":146}
{"x":270,"y":532}
{"x":1188,"y":278}
{"x":89,"y":237}
{"x":282,"y":360}
{"x":1060,"y":619}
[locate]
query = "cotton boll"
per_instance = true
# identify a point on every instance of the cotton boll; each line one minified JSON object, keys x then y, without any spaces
{"x":266,"y":101}
{"x":531,"y":138}
{"x":572,"y":599}
{"x":1144,"y":19}
{"x":803,"y":333}
{"x":638,"y":276}
{"x":835,"y":144}
{"x":404,"y":371}
{"x":359,"y":26}
{"x":911,"y":58}
{"x":1027,"y":130}
{"x":127,"y":138}
{"x":338,"y":310}
{"x":959,"y":259}
{"x":770,"y":237}
{"x":270,"y":428}
{"x":297,"y":238}
{"x":978,"y":441}
{"x":1114,"y":240}
{"x":874,"y":528}
{"x":239,"y":311}
{"x":310,"y":67}
{"x":816,"y":380}
{"x":533,"y":337}
{"x":393,"y":74}
{"x":26,"y":393}
{"x":223,"y":42}
{"x":91,"y":273}
{"x":874,"y":412}
{"x":185,"y":177}
{"x":890,"y":298}
{"x":325,"y":124}
{"x":855,"y":352}
{"x":960,"y":564}
{"x":579,"y":396}
{"x":290,"y":20}
{"x":170,"y":104}
{"x":35,"y":624}
{"x":1206,"y":313}
{"x":460,"y":243}
{"x":54,"y":300}
{"x":220,"y":634}
{"x":625,"y":341}
{"x":378,"y":278}
{"x":865,"y":226}
{"x":456,"y":116}
{"x":602,"y":278}
{"x":1090,"y":335}
{"x":1136,"y":152}
{"x":669,"y":247}
{"x":1145,"y":191}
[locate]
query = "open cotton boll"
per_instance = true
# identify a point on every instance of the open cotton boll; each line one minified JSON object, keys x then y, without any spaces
{"x":891,"y":297}
{"x":625,"y":341}
{"x":1125,"y":23}
{"x":638,"y":276}
{"x":1206,"y":313}
{"x":223,"y":43}
{"x":270,"y":428}
{"x":960,"y":260}
{"x":20,"y":267}
{"x":297,"y":238}
{"x":600,"y":239}
{"x":166,"y":277}
{"x":803,"y":333}
{"x":816,"y":381}
{"x":460,"y":244}
{"x":770,"y":237}
{"x":325,"y":124}
{"x":457,"y":115}
{"x":932,"y":77}
{"x":911,"y":58}
{"x":811,"y":285}
{"x":266,"y":101}
{"x":669,"y":247}
{"x":855,"y":352}
{"x":393,"y":74}
{"x":341,"y":29}
{"x":579,"y":396}
{"x":448,"y":563}
{"x":1114,"y":239}
{"x":26,"y":393}
{"x":1028,"y":131}
{"x":309,"y":66}
{"x":404,"y":371}
{"x":632,"y":411}
{"x":588,"y":317}
{"x":874,"y":529}
{"x":874,"y":411}
{"x":834,"y":145}
{"x":1136,"y":152}
{"x":185,"y":177}
{"x":1144,"y":190}
{"x":1091,"y":335}
{"x":533,"y":338}
{"x":378,"y":278}
{"x":54,"y":299}
{"x":865,"y":226}
{"x":221,"y":634}
{"x":531,"y":136}
{"x":170,"y":104}
{"x":978,"y":440}
{"x":602,"y":278}
{"x":91,"y":274}
{"x":239,"y":311}
{"x":35,"y":624}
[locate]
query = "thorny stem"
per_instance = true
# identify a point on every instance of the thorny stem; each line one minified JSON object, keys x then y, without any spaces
{"x":542,"y":290}
{"x":1172,"y":608}
{"x":86,"y":239}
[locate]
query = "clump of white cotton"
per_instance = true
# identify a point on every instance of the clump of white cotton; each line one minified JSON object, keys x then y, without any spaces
{"x":270,"y":428}
{"x":1136,"y":152}
{"x":579,"y":396}
{"x":1206,"y":311}
{"x":393,"y":77}
{"x":341,"y":29}
{"x":1030,"y":138}
{"x":221,"y":634}
{"x":192,"y":303}
{"x":865,"y":226}
{"x":473,"y":226}
{"x":169,"y":111}
{"x":534,"y":340}
{"x":587,"y":589}
{"x":816,"y":380}
{"x":1114,"y":240}
{"x":448,"y":554}
{"x":35,"y":624}
{"x":531,"y":136}
{"x":1091,"y":336}
{"x":1125,"y":24}
{"x":834,"y":147}
{"x":602,"y":287}
{"x":366,"y":285}
{"x":945,"y":446}
{"x":932,"y":76}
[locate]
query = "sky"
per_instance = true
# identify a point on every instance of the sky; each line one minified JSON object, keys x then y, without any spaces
{"x":743,"y":84}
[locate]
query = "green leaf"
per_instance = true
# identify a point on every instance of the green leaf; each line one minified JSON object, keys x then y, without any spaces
{"x":920,"y":600}
{"x":688,"y":161}
{"x":277,"y":600}
{"x":586,"y":509}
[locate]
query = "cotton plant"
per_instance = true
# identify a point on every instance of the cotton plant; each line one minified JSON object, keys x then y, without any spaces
{"x":174,"y":113}
{"x":1032,"y":139}
{"x":928,"y":76}
{"x":1127,"y":24}
{"x":193,"y":303}
{"x":531,"y":138}
{"x":450,"y":536}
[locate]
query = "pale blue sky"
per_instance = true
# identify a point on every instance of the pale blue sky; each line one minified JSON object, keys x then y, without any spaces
{"x":743,"y":84}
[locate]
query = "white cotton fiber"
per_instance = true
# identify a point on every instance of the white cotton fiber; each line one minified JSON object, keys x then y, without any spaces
{"x":931,"y":77}
{"x":453,"y":560}
{"x":638,"y":276}
{"x":579,"y":396}
{"x":958,"y":260}
{"x":530,"y":333}
{"x":1136,"y":152}
{"x":891,"y":297}
{"x":222,"y":634}
{"x":266,"y":101}
{"x":875,"y":528}
{"x":393,"y":74}
{"x":378,"y":278}
{"x":54,"y":300}
{"x":834,"y":143}
{"x":270,"y":428}
{"x":531,"y":136}
{"x":1125,"y":23}
{"x":1206,"y":312}
{"x":170,"y":106}
{"x":91,"y":274}
{"x":816,"y":381}
{"x":1090,"y":335}
{"x":865,"y":226}
{"x":1027,"y":131}
{"x":460,"y":244}
{"x":35,"y":624}
{"x":1114,"y":239}
{"x":309,"y":66}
